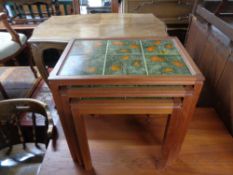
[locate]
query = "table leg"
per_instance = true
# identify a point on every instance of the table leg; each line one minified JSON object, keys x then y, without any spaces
{"x":65,"y":115}
{"x":37,"y":52}
{"x":172,"y":142}
{"x":82,"y":138}
{"x":177,"y":127}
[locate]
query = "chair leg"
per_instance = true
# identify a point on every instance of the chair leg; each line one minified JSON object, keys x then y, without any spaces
{"x":2,"y":90}
{"x":31,"y":64}
{"x":31,"y":61}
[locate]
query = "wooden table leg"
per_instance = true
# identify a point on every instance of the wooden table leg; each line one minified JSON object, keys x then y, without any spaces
{"x":177,"y":128}
{"x":37,"y":52}
{"x":172,"y":142}
{"x":65,"y":115}
{"x":82,"y":138}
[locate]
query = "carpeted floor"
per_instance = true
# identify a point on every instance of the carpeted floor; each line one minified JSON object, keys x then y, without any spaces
{"x":18,"y":81}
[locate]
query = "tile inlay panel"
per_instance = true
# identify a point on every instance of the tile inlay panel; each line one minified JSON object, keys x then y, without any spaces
{"x":124,"y":57}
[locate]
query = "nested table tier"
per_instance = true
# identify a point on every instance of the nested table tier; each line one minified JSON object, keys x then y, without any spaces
{"x":126,"y":76}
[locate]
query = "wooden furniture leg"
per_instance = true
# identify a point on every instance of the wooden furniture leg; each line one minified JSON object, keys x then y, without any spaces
{"x":113,"y":107}
{"x":65,"y":115}
{"x":30,"y":60}
{"x":177,"y":127}
{"x":37,"y":52}
{"x":172,"y":143}
{"x":82,"y":139}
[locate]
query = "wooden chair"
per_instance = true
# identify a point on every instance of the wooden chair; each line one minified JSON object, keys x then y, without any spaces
{"x":12,"y":44}
{"x":28,"y":11}
{"x":23,"y":144}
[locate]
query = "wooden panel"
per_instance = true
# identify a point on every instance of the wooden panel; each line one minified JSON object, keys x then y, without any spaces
{"x":224,"y":92}
{"x":160,"y":91}
{"x":226,"y":28}
{"x":218,"y":62}
{"x":131,"y":106}
{"x":196,"y":39}
{"x":210,"y":44}
{"x":170,"y":11}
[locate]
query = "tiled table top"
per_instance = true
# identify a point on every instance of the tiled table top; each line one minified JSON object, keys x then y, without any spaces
{"x":124,"y":57}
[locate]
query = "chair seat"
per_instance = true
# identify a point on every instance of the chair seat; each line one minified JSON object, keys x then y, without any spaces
{"x":21,"y":162}
{"x":9,"y":47}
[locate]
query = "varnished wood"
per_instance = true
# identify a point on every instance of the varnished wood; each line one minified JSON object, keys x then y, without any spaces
{"x":97,"y":26}
{"x":164,"y":91}
{"x":13,"y":33}
{"x":62,"y":109}
{"x":209,"y":42}
{"x":76,"y":6}
{"x":54,"y":32}
{"x":127,"y":79}
{"x":66,"y":89}
{"x":169,"y":11}
{"x":15,"y":38}
{"x":115,"y":6}
{"x":80,"y":129}
{"x":29,"y":11}
{"x":11,"y":110}
{"x":127,"y":106}
{"x":214,"y":20}
{"x":129,"y":146}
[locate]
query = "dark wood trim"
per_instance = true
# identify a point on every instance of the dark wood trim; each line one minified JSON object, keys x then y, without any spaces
{"x":115,"y":6}
{"x":76,"y":6}
{"x":212,"y":19}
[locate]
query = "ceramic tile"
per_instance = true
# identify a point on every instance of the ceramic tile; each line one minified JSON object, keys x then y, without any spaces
{"x":124,"y":57}
{"x":118,"y":47}
{"x":166,"y":65}
{"x":83,"y":65}
{"x":125,"y":65}
{"x":159,"y":47}
{"x":88,"y":47}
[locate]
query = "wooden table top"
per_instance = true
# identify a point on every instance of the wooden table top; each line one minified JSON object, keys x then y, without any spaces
{"x":154,"y":58}
{"x":64,"y":28}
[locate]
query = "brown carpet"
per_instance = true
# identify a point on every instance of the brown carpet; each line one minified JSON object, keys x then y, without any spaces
{"x":18,"y":81}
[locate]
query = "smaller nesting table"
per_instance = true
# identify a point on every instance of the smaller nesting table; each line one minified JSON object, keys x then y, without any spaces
{"x":125,"y":76}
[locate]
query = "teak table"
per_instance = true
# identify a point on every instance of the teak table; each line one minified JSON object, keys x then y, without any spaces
{"x":57,"y":31}
{"x":125,"y":76}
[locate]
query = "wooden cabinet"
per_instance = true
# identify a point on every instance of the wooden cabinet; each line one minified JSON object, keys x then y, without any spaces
{"x":170,"y":11}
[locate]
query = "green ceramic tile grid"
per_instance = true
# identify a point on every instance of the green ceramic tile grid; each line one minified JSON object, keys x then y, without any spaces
{"x":124,"y":57}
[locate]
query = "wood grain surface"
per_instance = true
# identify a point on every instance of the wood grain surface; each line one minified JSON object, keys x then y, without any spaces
{"x":131,"y":145}
{"x":64,"y":28}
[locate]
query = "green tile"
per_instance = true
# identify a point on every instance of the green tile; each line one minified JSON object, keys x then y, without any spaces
{"x":83,"y":65}
{"x":88,"y":47}
{"x":166,"y":65}
{"x":159,"y":47}
{"x":125,"y":65}
{"x":124,"y":57}
{"x":118,"y":47}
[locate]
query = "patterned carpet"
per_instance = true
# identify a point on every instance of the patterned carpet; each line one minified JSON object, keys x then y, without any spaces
{"x":17,"y":81}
